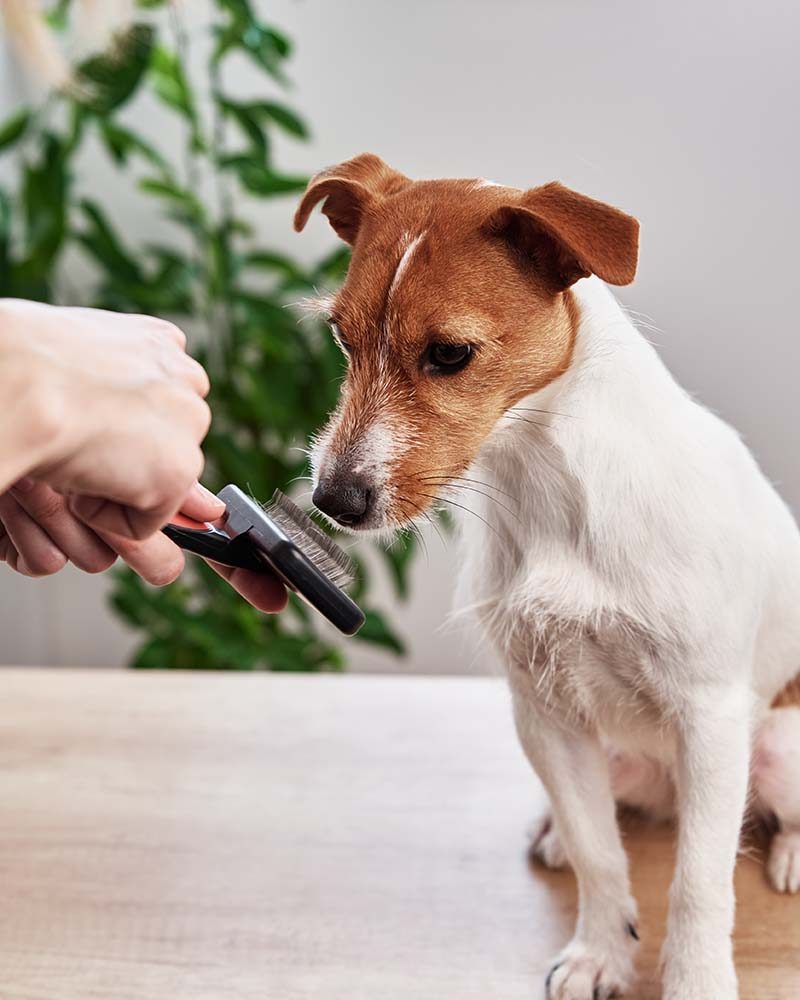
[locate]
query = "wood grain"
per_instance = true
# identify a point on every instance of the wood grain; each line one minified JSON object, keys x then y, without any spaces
{"x":259,"y":837}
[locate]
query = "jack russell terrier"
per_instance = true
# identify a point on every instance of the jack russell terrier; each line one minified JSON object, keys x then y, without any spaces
{"x":637,"y":571}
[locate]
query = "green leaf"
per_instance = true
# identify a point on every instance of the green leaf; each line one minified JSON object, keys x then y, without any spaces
{"x":105,"y":246}
{"x":153,"y":655}
{"x":13,"y":129}
{"x":248,"y":122}
{"x":109,"y":80}
{"x":121,"y":143}
{"x":267,"y":47}
{"x":171,"y":85}
{"x":398,"y":556}
{"x":277,"y":263}
{"x":183,"y":199}
{"x":239,"y":8}
{"x":252,"y":116}
{"x":282,"y":116}
{"x":44,"y":194}
{"x":377,"y":631}
{"x":58,"y":17}
{"x":332,"y":268}
{"x":266,"y":183}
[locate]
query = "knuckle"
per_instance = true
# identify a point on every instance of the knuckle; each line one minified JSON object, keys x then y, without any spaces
{"x":203,"y":417}
{"x":163,"y":329}
{"x":204,"y":380}
{"x":152,"y":496}
{"x":47,"y":506}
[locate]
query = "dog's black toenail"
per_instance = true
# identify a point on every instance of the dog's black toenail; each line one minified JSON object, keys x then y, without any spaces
{"x":549,"y":979}
{"x":633,"y":931}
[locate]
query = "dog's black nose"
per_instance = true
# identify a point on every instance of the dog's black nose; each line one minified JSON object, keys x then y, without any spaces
{"x":345,"y":499}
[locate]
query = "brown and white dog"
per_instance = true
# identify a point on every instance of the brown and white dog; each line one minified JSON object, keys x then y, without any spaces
{"x":636,"y":569}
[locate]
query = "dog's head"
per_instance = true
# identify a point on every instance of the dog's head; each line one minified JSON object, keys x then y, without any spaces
{"x":456,"y":306}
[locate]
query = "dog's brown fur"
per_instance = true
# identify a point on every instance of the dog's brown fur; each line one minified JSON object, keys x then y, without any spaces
{"x":492,"y":271}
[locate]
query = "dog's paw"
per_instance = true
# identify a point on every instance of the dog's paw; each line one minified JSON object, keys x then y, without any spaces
{"x":585,"y":973}
{"x":783,"y":865}
{"x":546,"y":846}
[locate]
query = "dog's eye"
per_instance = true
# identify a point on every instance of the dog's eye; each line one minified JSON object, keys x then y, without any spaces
{"x":446,"y":359}
{"x":337,"y":333}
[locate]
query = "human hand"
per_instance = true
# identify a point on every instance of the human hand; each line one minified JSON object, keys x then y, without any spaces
{"x":114,"y":412}
{"x":39,"y":534}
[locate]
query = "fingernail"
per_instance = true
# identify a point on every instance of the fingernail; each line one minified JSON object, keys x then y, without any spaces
{"x":208,"y":496}
{"x":24,"y":485}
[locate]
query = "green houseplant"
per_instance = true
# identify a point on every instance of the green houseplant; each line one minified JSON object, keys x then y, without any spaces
{"x":273,"y":379}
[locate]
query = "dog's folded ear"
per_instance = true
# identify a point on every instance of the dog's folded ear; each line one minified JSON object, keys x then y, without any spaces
{"x":566,"y":236}
{"x":349,"y":190}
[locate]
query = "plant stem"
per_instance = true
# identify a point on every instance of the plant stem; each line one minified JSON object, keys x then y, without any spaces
{"x":224,"y":200}
{"x":202,"y":240}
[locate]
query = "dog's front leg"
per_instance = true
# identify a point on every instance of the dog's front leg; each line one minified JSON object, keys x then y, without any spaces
{"x":712,"y":774}
{"x":598,"y":962}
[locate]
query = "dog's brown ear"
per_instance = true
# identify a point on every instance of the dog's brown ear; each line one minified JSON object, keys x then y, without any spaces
{"x":568,"y":236}
{"x":349,"y":190}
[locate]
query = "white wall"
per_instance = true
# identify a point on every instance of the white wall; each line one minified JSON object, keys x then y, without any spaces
{"x":682,"y":113}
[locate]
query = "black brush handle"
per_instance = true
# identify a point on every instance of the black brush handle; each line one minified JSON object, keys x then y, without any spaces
{"x":216,"y":545}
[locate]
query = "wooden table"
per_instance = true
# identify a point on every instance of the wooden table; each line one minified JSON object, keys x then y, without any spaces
{"x":172,"y":836}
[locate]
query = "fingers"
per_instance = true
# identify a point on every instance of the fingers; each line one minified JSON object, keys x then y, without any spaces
{"x":196,"y":376}
{"x":28,"y":549}
{"x":264,"y":592}
{"x":156,"y":559}
{"x":51,"y":513}
{"x":38,"y":534}
{"x":201,"y":504}
{"x":158,"y":327}
{"x":155,"y":506}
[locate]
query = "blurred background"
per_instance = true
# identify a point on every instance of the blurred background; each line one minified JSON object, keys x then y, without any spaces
{"x":151,"y":156}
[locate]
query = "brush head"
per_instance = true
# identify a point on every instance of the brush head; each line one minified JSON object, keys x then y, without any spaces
{"x":284,"y":537}
{"x":328,"y":557}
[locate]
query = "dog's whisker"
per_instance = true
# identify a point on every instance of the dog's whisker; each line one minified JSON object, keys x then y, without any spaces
{"x":466,"y":479}
{"x":472,"y":489}
{"x":525,"y":420}
{"x":422,"y":513}
{"x":462,"y":507}
{"x":549,"y":413}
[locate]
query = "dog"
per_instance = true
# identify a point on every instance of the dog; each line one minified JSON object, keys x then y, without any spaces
{"x":628,"y":558}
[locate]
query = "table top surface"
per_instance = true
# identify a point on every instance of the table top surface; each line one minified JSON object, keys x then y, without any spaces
{"x":272,"y":837}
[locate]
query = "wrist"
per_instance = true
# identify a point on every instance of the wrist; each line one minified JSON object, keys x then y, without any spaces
{"x":31,"y":431}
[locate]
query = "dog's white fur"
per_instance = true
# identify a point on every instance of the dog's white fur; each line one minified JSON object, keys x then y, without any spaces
{"x":646,"y":597}
{"x":642,"y":580}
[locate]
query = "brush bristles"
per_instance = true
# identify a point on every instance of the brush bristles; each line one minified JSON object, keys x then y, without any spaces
{"x":320,"y":548}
